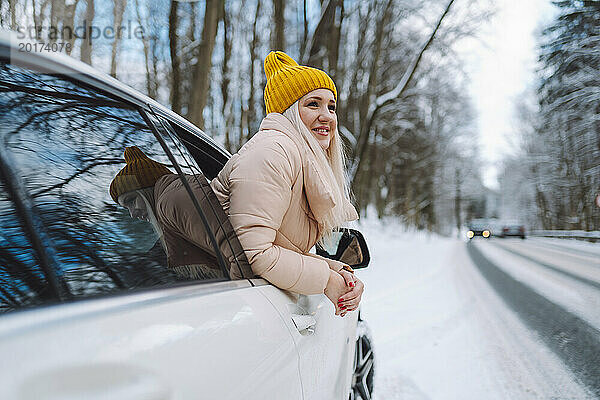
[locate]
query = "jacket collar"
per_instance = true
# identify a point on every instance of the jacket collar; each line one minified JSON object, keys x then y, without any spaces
{"x":318,"y":193}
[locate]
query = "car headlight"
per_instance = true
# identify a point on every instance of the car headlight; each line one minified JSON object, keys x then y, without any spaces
{"x":470,"y":234}
{"x":486,"y":234}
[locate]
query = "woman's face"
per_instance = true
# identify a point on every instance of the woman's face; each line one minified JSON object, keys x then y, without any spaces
{"x":135,"y":204}
{"x":317,"y":111}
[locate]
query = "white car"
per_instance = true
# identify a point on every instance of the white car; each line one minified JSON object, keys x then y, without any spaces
{"x":88,"y":308}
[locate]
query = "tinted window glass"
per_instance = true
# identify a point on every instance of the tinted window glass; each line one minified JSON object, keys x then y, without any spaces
{"x":67,"y":143}
{"x":210,"y":160}
{"x":22,"y":282}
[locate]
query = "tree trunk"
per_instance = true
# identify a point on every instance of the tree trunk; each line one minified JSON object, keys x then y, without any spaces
{"x":305,"y":32}
{"x":175,"y":96}
{"x":227,"y":39}
{"x":36,"y":20}
{"x":457,"y":200}
{"x":118,"y":11}
{"x":12,"y":6}
{"x":147,"y":62}
{"x":200,"y":81}
{"x":324,"y":46}
{"x":252,"y":120}
{"x":57,"y":10}
{"x":278,"y":40}
{"x":69,"y":23}
{"x":86,"y":44}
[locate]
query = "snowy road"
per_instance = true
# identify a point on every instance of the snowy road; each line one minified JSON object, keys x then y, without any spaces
{"x":497,"y":319}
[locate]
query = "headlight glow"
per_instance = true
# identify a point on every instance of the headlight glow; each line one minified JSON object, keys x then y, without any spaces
{"x":486,"y":234}
{"x":470,"y":234}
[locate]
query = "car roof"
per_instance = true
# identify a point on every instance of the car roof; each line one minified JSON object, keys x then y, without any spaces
{"x":58,"y":63}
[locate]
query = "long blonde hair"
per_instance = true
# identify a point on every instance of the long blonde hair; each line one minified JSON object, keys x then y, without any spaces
{"x":333,"y":163}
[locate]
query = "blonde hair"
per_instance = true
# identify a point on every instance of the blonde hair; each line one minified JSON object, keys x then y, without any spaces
{"x":332,"y":163}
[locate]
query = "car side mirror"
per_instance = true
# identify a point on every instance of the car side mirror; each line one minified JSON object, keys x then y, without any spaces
{"x":348,"y":246}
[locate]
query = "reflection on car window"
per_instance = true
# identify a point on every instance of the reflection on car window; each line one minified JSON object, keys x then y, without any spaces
{"x":22,"y":282}
{"x":176,"y":139}
{"x":66,"y":143}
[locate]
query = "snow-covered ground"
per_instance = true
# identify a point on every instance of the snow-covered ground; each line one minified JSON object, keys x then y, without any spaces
{"x":441,"y":332}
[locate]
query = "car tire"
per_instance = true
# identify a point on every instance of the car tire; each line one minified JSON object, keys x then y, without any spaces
{"x":364,"y":364}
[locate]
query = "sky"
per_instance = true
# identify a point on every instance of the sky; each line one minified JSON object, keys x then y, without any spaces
{"x":502,"y":65}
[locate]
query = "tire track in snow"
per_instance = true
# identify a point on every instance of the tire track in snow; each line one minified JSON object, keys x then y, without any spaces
{"x":573,"y":340}
{"x":554,"y":268}
{"x":565,"y":249}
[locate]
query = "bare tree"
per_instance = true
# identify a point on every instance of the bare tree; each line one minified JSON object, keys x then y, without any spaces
{"x":151,"y":78}
{"x":245,"y":134}
{"x":325,"y":40}
{"x":175,"y":59}
{"x":118,"y":11}
{"x":381,"y":100}
{"x":201,"y":74}
{"x":278,"y":39}
{"x":86,"y":43}
{"x":68,"y":22}
{"x":227,"y":43}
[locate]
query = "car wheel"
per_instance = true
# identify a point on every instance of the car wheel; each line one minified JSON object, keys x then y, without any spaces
{"x":364,"y":364}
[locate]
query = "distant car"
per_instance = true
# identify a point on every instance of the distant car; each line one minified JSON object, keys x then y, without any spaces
{"x":513,"y":230}
{"x":479,"y":227}
{"x":88,"y":305}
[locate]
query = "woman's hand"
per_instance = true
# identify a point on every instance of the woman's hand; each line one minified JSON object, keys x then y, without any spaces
{"x":350,"y":301}
{"x":349,"y":278}
{"x":336,"y":287}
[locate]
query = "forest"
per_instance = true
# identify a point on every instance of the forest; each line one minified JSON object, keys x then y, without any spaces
{"x":404,"y":109}
{"x":554,"y":177}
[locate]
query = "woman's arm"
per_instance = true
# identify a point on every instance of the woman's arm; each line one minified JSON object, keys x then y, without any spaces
{"x":333,"y":264}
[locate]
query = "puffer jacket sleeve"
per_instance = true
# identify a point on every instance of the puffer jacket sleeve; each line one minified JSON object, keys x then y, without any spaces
{"x":337,"y":266}
{"x":260,"y":190}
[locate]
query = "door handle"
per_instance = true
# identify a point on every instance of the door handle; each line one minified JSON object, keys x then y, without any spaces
{"x":304,"y":323}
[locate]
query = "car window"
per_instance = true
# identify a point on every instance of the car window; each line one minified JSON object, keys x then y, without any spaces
{"x":67,"y":143}
{"x":22,"y":282}
{"x":198,"y":162}
{"x":210,"y":160}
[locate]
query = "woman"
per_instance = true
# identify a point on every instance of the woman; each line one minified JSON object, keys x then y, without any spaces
{"x":285,"y":189}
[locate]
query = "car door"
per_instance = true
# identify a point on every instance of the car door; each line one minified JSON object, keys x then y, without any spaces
{"x":90,"y":308}
{"x":325,"y":342}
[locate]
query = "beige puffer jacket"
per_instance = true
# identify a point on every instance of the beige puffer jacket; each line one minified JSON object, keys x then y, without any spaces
{"x":271,"y":191}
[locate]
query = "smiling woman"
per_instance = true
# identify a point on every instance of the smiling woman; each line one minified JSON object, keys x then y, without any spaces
{"x":285,"y":190}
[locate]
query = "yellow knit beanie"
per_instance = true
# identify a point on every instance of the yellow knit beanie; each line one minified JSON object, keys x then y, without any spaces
{"x":140,"y":172}
{"x":287,"y":81}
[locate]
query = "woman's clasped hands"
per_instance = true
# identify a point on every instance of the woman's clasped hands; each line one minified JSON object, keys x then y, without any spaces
{"x":344,"y":290}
